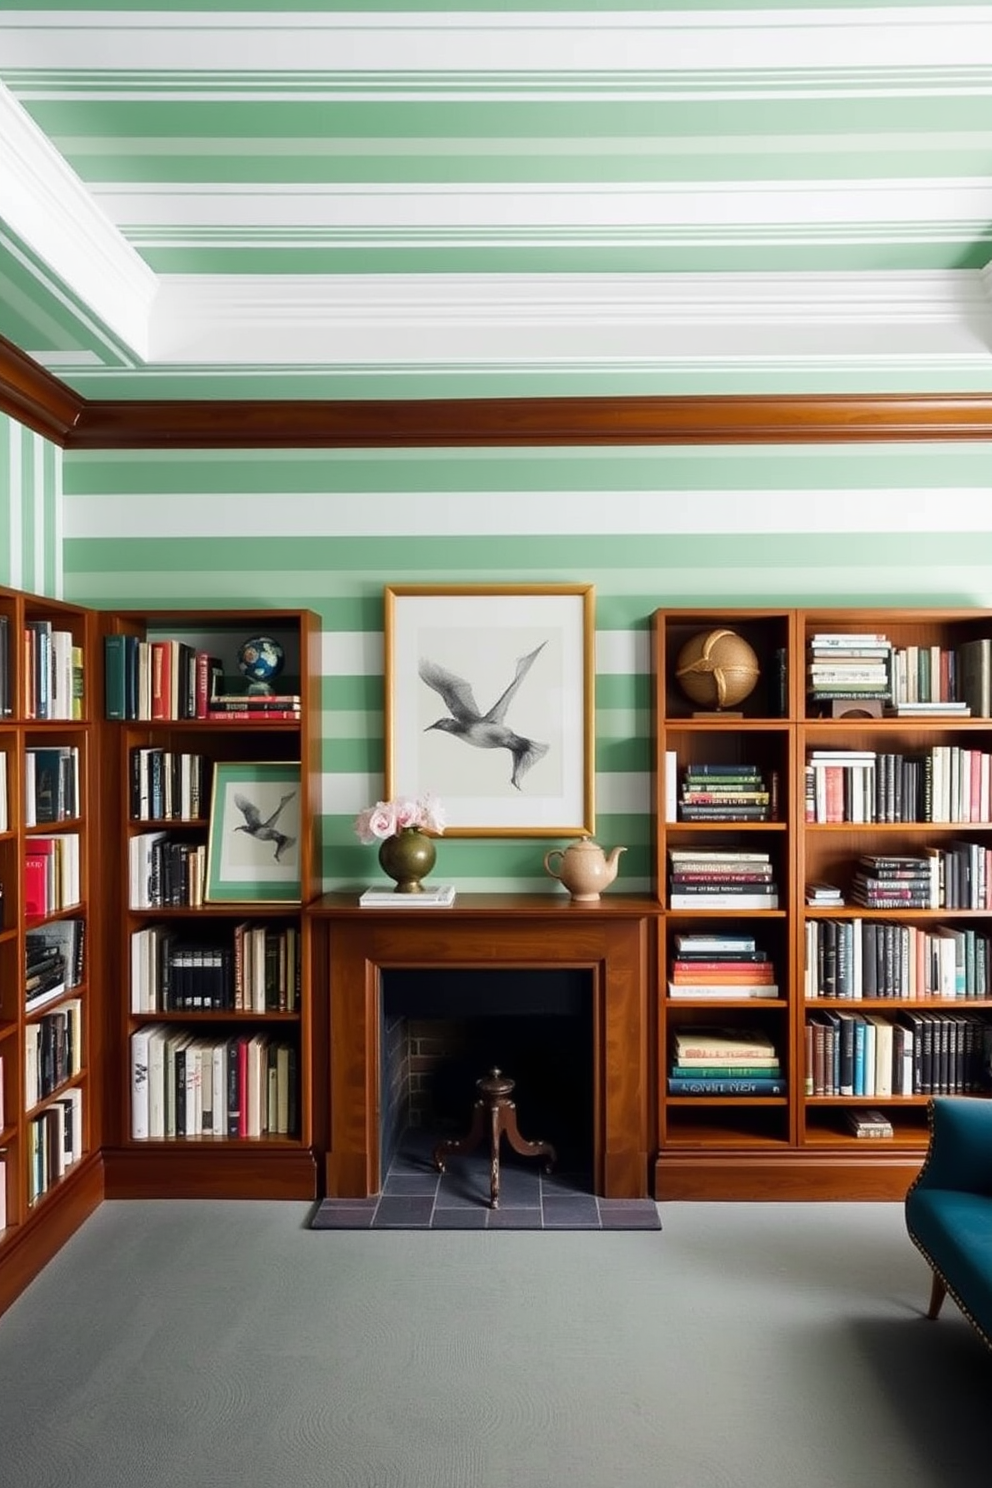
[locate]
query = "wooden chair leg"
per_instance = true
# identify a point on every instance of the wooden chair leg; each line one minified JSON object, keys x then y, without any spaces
{"x":938,"y":1292}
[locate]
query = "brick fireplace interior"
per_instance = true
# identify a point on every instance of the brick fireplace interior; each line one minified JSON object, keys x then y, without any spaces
{"x":442,"y":1029}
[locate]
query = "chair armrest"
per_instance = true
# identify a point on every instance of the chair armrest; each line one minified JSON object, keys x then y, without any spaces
{"x":960,"y":1152}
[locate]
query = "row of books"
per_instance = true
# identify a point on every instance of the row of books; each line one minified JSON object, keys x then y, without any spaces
{"x":721,"y":1061}
{"x":730,"y":966}
{"x":740,"y":792}
{"x":942,"y":675}
{"x":946,"y":783}
{"x":912,"y":678}
{"x":167,"y":785}
{"x":958,"y":876}
{"x":51,"y":873}
{"x":53,"y":1051}
{"x":880,"y":958}
{"x":255,"y":970}
{"x":185,"y":1086}
{"x":914,"y":1052}
{"x":166,"y":872}
{"x":51,"y":784}
{"x":53,"y":672}
{"x":158,"y":679}
{"x":721,"y":878}
{"x":55,"y":1141}
{"x":53,"y":960}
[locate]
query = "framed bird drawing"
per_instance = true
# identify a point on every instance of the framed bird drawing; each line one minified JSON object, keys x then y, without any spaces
{"x":489,"y":705}
{"x":253,"y":846}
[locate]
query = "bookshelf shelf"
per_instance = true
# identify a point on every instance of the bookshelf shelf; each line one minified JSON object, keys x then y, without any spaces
{"x":834,"y":819}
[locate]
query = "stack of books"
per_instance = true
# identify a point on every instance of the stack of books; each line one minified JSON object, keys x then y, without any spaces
{"x":251,"y":707}
{"x":727,"y":793}
{"x":720,"y":966}
{"x":819,"y":893}
{"x":725,"y":1061}
{"x":727,"y":878}
{"x":891,"y":882}
{"x":864,"y":1122}
{"x":849,"y":667}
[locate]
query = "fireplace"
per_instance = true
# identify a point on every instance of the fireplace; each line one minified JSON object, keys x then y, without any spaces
{"x":442,"y":1029}
{"x":580,"y":972}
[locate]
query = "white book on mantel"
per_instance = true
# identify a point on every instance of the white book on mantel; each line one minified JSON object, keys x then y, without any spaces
{"x":441,"y":897}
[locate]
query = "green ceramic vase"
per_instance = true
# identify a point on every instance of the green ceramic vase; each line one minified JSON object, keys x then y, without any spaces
{"x":408,"y":857}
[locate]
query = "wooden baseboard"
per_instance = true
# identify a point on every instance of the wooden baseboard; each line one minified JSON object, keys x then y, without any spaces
{"x":251,"y":1173}
{"x":791,"y":1177}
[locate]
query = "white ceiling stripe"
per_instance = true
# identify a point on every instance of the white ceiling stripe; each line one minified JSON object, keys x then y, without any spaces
{"x":495,"y":41}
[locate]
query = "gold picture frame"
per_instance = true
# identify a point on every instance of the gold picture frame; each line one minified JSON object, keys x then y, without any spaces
{"x":527,"y":654}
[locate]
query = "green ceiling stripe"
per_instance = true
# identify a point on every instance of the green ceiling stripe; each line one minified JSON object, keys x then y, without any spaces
{"x":716,"y":255}
{"x":474,"y":476}
{"x":551,"y":161}
{"x":521,"y":120}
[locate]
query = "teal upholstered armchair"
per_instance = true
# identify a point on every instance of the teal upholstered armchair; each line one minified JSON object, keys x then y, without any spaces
{"x":949,"y":1207}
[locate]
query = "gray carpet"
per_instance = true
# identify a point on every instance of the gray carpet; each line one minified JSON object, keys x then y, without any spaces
{"x":216,"y":1345}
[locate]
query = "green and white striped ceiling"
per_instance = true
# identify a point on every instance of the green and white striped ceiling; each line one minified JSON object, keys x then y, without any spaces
{"x":399,"y":200}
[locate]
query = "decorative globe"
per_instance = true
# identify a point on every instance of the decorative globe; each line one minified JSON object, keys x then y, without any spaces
{"x":717,"y":669}
{"x":260,"y":659}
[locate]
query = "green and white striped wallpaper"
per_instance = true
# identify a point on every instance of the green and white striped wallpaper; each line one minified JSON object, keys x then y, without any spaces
{"x":30,"y":511}
{"x":892,"y":524}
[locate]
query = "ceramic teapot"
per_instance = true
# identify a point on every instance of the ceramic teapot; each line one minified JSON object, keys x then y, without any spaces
{"x":583,"y":868}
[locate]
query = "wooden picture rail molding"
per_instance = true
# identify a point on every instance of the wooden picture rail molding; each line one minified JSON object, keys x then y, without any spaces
{"x":46,"y":405}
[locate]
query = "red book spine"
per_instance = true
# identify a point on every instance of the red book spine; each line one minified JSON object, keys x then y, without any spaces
{"x":161,"y":680}
{"x":255,"y":715}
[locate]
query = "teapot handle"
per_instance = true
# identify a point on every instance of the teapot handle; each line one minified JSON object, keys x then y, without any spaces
{"x":555,"y":852}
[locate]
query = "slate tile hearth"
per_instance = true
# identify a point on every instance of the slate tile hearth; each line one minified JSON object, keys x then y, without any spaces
{"x":415,"y":1196}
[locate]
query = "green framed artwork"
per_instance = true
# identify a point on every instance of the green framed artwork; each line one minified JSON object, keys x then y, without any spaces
{"x":253,"y":847}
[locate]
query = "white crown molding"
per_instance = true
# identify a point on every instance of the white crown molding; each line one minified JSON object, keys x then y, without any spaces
{"x":732,"y":49}
{"x":46,"y":208}
{"x":543,"y":320}
{"x":473,"y":215}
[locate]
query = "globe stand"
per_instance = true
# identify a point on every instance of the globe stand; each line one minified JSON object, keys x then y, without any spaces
{"x":717,"y":713}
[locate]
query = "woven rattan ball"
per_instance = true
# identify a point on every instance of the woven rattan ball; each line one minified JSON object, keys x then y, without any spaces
{"x":717,"y":669}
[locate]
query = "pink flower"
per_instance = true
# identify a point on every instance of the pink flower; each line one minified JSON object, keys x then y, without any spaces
{"x":385,"y":818}
{"x":432,"y":814}
{"x":408,"y":813}
{"x":376,"y":823}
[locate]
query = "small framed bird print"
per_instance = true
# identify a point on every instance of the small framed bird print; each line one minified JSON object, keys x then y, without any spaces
{"x":489,"y":705}
{"x":253,"y":846}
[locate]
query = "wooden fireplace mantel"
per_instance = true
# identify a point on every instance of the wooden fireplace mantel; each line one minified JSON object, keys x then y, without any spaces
{"x":612,"y":939}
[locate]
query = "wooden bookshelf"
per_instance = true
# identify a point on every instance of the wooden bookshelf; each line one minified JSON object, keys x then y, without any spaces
{"x":194,"y":1152}
{"x":796,"y":1143}
{"x":51,"y":1042}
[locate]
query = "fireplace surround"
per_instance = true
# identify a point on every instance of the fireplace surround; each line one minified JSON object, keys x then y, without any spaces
{"x":610,"y":941}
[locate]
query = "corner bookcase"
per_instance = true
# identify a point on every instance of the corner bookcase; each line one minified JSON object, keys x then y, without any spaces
{"x":839,"y":965}
{"x":208,"y":1018}
{"x":51,"y":1035}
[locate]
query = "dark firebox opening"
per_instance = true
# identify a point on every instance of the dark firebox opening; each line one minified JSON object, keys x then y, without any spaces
{"x":444,"y":1029}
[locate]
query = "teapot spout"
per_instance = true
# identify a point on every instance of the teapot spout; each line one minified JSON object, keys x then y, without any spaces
{"x":613,"y":862}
